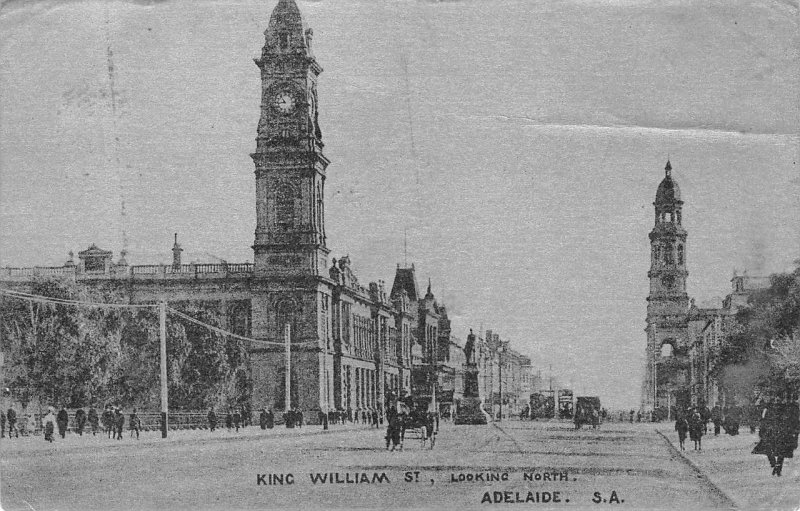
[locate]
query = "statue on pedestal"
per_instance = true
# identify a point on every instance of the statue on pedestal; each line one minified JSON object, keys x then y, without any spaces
{"x":470,"y":410}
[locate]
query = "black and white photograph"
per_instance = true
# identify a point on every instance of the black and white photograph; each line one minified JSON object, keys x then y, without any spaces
{"x":399,"y":254}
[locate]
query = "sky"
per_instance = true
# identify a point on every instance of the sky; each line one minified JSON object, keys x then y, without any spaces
{"x":516,"y":144}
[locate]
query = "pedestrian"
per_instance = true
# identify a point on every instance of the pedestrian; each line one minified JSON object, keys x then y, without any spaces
{"x":134,"y":424}
{"x":262,"y":419}
{"x":62,"y":419}
{"x":682,"y":427}
{"x":375,"y":419}
{"x":80,"y":421}
{"x":49,"y":424}
{"x":778,"y":430}
{"x":696,"y":428}
{"x":299,"y":417}
{"x":2,"y":424}
{"x":631,"y":414}
{"x":212,"y":419}
{"x":270,"y":419}
{"x":108,"y":420}
{"x":753,"y":417}
{"x":11,"y":418}
{"x":237,"y":419}
{"x":716,"y":418}
{"x":94,"y":420}
{"x":229,"y":420}
{"x":119,"y":423}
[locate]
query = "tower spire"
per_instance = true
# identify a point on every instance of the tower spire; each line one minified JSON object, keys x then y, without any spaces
{"x":668,"y":168}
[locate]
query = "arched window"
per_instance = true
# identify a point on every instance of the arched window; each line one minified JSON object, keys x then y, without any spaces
{"x":668,"y":256}
{"x":284,"y":206}
{"x":286,"y":311}
{"x":680,"y":254}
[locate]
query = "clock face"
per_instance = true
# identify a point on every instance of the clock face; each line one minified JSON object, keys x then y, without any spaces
{"x":284,"y":102}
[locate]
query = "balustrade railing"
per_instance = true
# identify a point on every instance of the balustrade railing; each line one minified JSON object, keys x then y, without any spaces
{"x":140,"y":270}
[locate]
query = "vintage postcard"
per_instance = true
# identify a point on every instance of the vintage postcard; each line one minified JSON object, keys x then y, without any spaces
{"x":401,"y":254}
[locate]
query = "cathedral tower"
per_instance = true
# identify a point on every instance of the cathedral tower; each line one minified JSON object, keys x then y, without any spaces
{"x":290,"y":284}
{"x":668,"y":303}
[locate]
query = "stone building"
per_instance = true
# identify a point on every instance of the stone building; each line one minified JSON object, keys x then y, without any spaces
{"x":351,"y":343}
{"x":680,"y":335}
{"x":667,"y":366}
{"x":709,"y":329}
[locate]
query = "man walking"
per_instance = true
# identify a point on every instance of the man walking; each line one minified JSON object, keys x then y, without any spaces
{"x":682,"y":427}
{"x":11,"y":418}
{"x":80,"y":421}
{"x":63,"y":420}
{"x":94,"y":420}
{"x":212,"y":419}
{"x":119,"y":423}
{"x":696,"y":429}
{"x":134,"y":424}
{"x":48,"y":423}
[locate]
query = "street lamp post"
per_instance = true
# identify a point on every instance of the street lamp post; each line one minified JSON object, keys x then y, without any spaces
{"x":500,"y":377}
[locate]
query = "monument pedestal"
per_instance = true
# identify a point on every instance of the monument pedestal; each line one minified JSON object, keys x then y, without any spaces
{"x":470,"y":410}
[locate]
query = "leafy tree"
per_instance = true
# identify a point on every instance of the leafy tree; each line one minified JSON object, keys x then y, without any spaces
{"x":75,"y":355}
{"x":760,"y":349}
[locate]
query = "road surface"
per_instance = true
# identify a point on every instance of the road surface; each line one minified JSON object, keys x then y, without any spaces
{"x":516,"y":464}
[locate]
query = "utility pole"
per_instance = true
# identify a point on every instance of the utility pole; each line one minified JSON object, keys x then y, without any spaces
{"x":287,"y":336}
{"x":655,"y":369}
{"x":500,"y":377}
{"x":162,"y":330}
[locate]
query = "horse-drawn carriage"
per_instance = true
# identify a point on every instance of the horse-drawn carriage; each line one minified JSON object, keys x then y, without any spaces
{"x":408,"y":422}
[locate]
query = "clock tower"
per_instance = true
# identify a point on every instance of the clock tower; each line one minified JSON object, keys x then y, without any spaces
{"x":290,"y":287}
{"x":668,"y":302}
{"x":290,"y":166}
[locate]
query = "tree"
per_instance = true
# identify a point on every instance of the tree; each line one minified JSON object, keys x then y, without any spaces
{"x":760,"y":350}
{"x":78,"y":355}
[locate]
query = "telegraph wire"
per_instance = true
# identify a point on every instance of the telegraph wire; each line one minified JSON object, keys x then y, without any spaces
{"x":231,"y":334}
{"x":64,"y":301}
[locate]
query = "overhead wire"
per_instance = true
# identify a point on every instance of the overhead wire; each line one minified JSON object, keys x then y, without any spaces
{"x":64,"y":301}
{"x":231,"y":334}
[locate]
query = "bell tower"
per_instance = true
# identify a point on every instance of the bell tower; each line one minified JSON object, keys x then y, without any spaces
{"x":668,"y":302}
{"x":290,"y":289}
{"x":289,"y":164}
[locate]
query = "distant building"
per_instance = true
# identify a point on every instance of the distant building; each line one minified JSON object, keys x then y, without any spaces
{"x":708,"y":329}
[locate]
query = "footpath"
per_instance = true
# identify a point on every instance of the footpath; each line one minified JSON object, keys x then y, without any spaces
{"x":743,"y":477}
{"x":36,"y":443}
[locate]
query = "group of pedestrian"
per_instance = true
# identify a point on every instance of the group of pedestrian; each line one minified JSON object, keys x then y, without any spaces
{"x":693,"y":423}
{"x":293,"y":418}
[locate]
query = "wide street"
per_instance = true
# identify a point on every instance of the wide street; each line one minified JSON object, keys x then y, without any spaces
{"x":628,"y":466}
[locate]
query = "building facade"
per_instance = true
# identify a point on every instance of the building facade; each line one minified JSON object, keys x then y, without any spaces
{"x":350,"y":344}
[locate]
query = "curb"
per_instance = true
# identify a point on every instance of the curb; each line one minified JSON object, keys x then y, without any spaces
{"x":298,"y":432}
{"x":734,"y":504}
